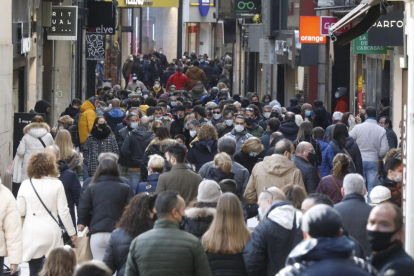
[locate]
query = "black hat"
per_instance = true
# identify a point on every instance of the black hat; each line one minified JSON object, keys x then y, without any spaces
{"x":41,"y":106}
{"x":322,"y":221}
{"x":179,"y":108}
{"x":200,"y":110}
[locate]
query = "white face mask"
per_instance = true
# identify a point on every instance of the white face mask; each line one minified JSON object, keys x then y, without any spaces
{"x":193,"y":133}
{"x":216,"y":116}
{"x":145,"y":96}
{"x":267,"y":114}
{"x":131,"y":59}
{"x":398,"y":178}
{"x":239,"y":128}
{"x":261,"y":215}
{"x":102,"y":62}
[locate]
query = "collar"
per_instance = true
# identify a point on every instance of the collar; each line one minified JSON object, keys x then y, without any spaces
{"x":354,"y":196}
{"x":381,"y":257}
{"x":180,"y":166}
{"x":371,"y":118}
{"x":165,"y":223}
{"x":301,"y":159}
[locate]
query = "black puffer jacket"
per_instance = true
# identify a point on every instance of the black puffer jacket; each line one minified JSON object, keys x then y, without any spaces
{"x":102,"y":204}
{"x":153,"y":149}
{"x":72,"y":187}
{"x":202,"y":152}
{"x":199,"y":220}
{"x":246,"y":160}
{"x":226,"y":265}
{"x":135,"y":144}
{"x":352,"y":147}
{"x":218,"y":175}
{"x":310,"y":174}
{"x":289,"y":130}
{"x":316,"y":147}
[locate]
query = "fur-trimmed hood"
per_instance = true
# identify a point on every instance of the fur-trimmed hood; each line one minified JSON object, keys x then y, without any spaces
{"x":195,"y":212}
{"x":36,"y":129}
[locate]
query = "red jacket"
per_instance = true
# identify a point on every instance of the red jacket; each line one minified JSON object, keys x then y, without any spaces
{"x":342,"y":104}
{"x":179,"y":80}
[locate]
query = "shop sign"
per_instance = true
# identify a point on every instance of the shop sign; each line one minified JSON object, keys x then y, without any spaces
{"x":388,"y":30}
{"x":361,"y":46}
{"x":95,"y":46}
{"x":246,"y":8}
{"x":64,"y":23}
{"x":327,"y":22}
{"x":147,"y":4}
{"x":204,"y":7}
{"x":101,"y":17}
{"x":309,"y":30}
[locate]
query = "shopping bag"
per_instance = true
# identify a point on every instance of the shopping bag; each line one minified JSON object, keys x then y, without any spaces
{"x":7,"y":271}
{"x":10,"y":168}
{"x":83,"y":248}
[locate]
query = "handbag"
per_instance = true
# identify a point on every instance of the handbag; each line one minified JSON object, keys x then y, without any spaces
{"x":7,"y":271}
{"x":65,"y":236}
{"x":10,"y":168}
{"x":83,"y":248}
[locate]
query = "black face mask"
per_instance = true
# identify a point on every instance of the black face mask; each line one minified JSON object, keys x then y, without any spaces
{"x":102,"y":126}
{"x":183,"y":222}
{"x":311,"y":157}
{"x":380,"y":241}
{"x":154,"y":218}
{"x":249,"y":121}
{"x":274,"y":115}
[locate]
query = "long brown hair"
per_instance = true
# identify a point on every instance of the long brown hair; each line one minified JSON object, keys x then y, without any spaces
{"x":106,"y":167}
{"x":228,"y":233}
{"x":61,"y":262}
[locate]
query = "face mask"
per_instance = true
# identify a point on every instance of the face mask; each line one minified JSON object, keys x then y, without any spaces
{"x":249,"y":121}
{"x":274,"y":114}
{"x":253,"y":154}
{"x":267,"y":114}
{"x":400,"y":130}
{"x":308,"y":113}
{"x":134,"y":125}
{"x":398,"y":178}
{"x":160,"y":52}
{"x":102,"y":126}
{"x":183,"y":222}
{"x":349,"y":122}
{"x":311,"y":157}
{"x":239,"y":128}
{"x":261,"y":215}
{"x":134,"y":78}
{"x":102,"y":62}
{"x":337,"y":96}
{"x":157,"y":86}
{"x":193,"y":133}
{"x":173,"y":103}
{"x":292,"y":158}
{"x":97,"y":109}
{"x":229,"y":122}
{"x":138,"y":92}
{"x":141,"y":59}
{"x":380,"y":241}
{"x":145,"y":96}
{"x":131,"y":59}
{"x":216,"y":116}
{"x":157,"y":119}
{"x":266,"y":100}
{"x":60,"y":127}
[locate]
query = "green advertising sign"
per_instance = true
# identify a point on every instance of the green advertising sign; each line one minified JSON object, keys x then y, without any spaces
{"x":246,"y":8}
{"x":361,"y":46}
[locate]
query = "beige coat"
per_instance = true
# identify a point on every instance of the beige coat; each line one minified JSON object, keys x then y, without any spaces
{"x":274,"y":171}
{"x":195,"y":74}
{"x":10,"y":227}
{"x":41,"y":234}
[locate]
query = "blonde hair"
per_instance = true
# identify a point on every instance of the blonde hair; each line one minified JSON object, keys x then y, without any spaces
{"x":221,"y":85}
{"x":189,"y":118}
{"x":156,"y":124}
{"x":156,"y":163}
{"x":252,"y":144}
{"x":207,"y":132}
{"x":340,"y":165}
{"x":61,"y":261}
{"x":65,"y":121}
{"x":228,"y":233}
{"x":223,"y":162}
{"x":64,"y":142}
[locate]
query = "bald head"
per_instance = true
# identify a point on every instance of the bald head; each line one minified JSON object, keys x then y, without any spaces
{"x":303,"y":150}
{"x":115,"y":103}
{"x":145,"y":121}
{"x":273,"y":194}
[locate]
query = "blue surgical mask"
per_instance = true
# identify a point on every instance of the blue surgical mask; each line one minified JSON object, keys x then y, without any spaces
{"x":173,"y":103}
{"x":157,"y":119}
{"x":336,"y":95}
{"x":185,"y":126}
{"x":308,"y":113}
{"x":157,"y":86}
{"x":134,"y":78}
{"x":261,"y":215}
{"x":253,"y":154}
{"x":134,"y":125}
{"x":141,"y":59}
{"x":160,"y":52}
{"x":266,"y":100}
{"x":229,"y":122}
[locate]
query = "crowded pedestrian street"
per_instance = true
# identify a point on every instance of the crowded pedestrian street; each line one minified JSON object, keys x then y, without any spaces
{"x":207,"y":138}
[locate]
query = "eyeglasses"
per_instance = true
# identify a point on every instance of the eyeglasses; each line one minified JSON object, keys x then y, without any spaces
{"x":249,"y":109}
{"x":266,"y":191}
{"x":310,"y":151}
{"x":216,"y":112}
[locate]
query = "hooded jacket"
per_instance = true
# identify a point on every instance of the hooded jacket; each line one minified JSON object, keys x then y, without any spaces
{"x":273,"y":171}
{"x":30,"y":143}
{"x":199,"y":220}
{"x":72,"y":187}
{"x":394,"y":187}
{"x":135,"y":144}
{"x":353,"y":150}
{"x":327,"y":158}
{"x":272,"y":241}
{"x":196,"y":93}
{"x":40,"y":107}
{"x":178,"y":79}
{"x":114,"y":117}
{"x":343,"y":101}
{"x":86,"y":119}
{"x":289,"y":129}
{"x":320,"y":119}
{"x":194,"y":75}
{"x":202,"y":152}
{"x":166,"y":76}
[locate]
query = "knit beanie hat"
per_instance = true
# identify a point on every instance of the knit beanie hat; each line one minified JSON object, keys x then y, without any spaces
{"x":208,"y":191}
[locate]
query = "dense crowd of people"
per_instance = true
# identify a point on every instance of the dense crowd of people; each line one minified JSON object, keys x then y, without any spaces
{"x":180,"y":176}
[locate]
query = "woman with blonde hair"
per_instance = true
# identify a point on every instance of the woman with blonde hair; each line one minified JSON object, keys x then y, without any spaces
{"x":155,"y":125}
{"x":205,"y":148}
{"x":225,"y":240}
{"x":249,"y":153}
{"x":221,"y":169}
{"x":61,"y":261}
{"x":67,"y":152}
{"x":331,"y":185}
{"x":156,"y":164}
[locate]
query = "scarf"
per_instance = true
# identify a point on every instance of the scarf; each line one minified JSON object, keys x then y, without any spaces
{"x":100,"y":135}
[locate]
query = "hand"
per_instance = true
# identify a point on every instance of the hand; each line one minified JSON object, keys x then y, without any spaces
{"x":54,"y":129}
{"x":80,"y":227}
{"x":73,"y":238}
{"x":358,"y":120}
{"x":352,"y":118}
{"x":13,"y":268}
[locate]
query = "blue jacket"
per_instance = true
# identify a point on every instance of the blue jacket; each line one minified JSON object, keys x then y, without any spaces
{"x":72,"y":187}
{"x":114,"y":117}
{"x":151,"y":180}
{"x":327,"y":158}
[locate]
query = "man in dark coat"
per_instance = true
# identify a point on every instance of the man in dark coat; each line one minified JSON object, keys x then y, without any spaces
{"x":288,"y":127}
{"x":305,"y":155}
{"x":385,"y":108}
{"x":293,"y":103}
{"x":386,"y":123}
{"x":272,"y":126}
{"x":177,"y":126}
{"x":167,"y":74}
{"x":385,"y":235}
{"x":354,"y":210}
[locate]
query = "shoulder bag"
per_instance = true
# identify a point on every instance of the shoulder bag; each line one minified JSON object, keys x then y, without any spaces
{"x":65,"y":236}
{"x":350,"y":158}
{"x":336,"y":184}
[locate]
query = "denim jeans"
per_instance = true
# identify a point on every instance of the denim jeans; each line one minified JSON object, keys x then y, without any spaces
{"x":135,"y":178}
{"x":370,"y":172}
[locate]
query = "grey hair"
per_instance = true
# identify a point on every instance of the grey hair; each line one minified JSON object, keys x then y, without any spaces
{"x":302,"y":146}
{"x":354,"y":183}
{"x":227,"y":144}
{"x":283,"y":146}
{"x":108,"y":155}
{"x":56,"y":148}
{"x":267,"y":106}
{"x":193,"y":122}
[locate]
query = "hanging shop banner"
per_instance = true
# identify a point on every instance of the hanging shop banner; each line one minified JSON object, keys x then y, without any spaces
{"x":101,"y":17}
{"x":64,"y":23}
{"x":388,"y":30}
{"x":146,"y":4}
{"x":95,"y":46}
{"x":361,"y":46}
{"x":327,"y":21}
{"x":246,"y":8}
{"x":309,"y":30}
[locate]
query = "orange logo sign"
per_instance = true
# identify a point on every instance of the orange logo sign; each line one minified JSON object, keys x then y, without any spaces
{"x":309,"y":30}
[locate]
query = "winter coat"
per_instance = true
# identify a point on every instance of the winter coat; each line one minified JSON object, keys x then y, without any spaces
{"x":316,"y":147}
{"x":199,"y":220}
{"x":194,"y":75}
{"x":102,"y":204}
{"x":72,"y":187}
{"x":114,"y":117}
{"x":353,"y":150}
{"x":327,"y":158}
{"x":355,"y":213}
{"x":393,"y":261}
{"x":86,"y":119}
{"x":165,"y":120}
{"x":265,"y":140}
{"x":320,"y":119}
{"x":272,"y":241}
{"x":218,"y":175}
{"x":196,"y":93}
{"x":240,"y":137}
{"x":256,"y":130}
{"x":326,"y":256}
{"x":127,"y":68}
{"x":385,"y":112}
{"x":30,"y":143}
{"x":328,"y":133}
{"x":328,"y":187}
{"x":202,"y":152}
{"x":289,"y":129}
{"x":74,"y":134}
{"x":93,"y":147}
{"x":226,"y":265}
{"x":177,"y":127}
{"x":135,"y":144}
{"x":10,"y":227}
{"x":342,"y":104}
{"x":120,"y":139}
{"x":166,"y":250}
{"x":179,"y":80}
{"x":41,"y":234}
{"x":371,"y":139}
{"x":75,"y":163}
{"x":309,"y":173}
{"x":241,"y":175}
{"x":116,"y":253}
{"x":221,"y":131}
{"x":246,"y":160}
{"x":182,"y":180}
{"x":134,"y":85}
{"x":166,"y":76}
{"x":273,"y":171}
{"x":392,"y":138}
{"x":394,"y":187}
{"x":151,"y":150}
{"x":150,"y":185}
{"x":73,"y":113}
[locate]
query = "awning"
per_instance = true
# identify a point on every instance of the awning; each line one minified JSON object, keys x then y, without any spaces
{"x":373,"y":9}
